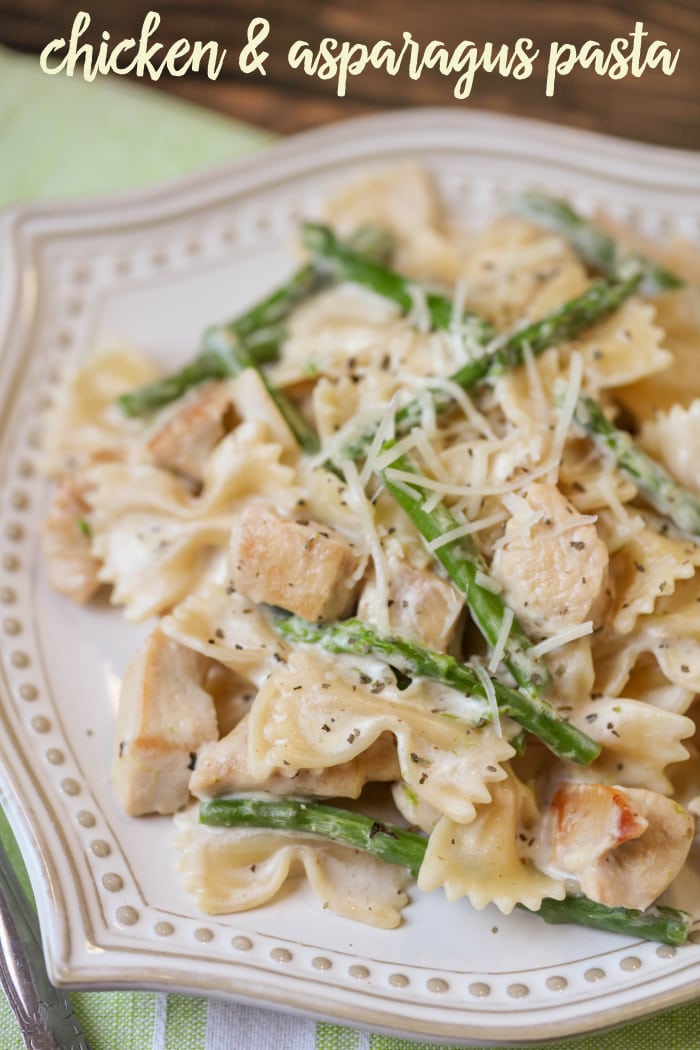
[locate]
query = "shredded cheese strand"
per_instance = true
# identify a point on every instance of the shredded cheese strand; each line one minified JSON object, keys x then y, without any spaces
{"x":569,"y":634}
{"x":490,"y":698}
{"x":503,"y":635}
{"x":466,"y":529}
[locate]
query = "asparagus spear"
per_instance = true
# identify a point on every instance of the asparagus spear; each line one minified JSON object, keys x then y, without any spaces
{"x":209,"y":364}
{"x":535,"y":715}
{"x":395,"y":845}
{"x":663,"y":493}
{"x":462,"y":562}
{"x":597,"y":248}
{"x":346,"y":264}
{"x":261,"y":329}
{"x":385,"y":841}
{"x":222,"y":341}
{"x":668,"y":925}
{"x":560,"y":325}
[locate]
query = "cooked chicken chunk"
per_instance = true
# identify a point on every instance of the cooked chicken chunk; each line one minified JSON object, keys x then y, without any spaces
{"x":165,"y":717}
{"x":223,"y":768}
{"x":303,"y":566}
{"x":624,"y":845}
{"x":191,"y":429}
{"x":422,"y":606}
{"x":66,"y":541}
{"x":552,"y":569}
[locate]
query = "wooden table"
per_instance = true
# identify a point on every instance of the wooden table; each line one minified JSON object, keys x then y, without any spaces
{"x":651,"y":108}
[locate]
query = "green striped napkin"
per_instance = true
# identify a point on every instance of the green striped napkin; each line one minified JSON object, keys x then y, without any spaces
{"x":67,"y":137}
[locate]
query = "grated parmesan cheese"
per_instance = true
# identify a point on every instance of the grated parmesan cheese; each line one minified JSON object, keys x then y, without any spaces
{"x":363,"y":508}
{"x":466,"y":530}
{"x":502,"y":640}
{"x":569,"y":634}
{"x":566,"y":415}
{"x":385,"y":432}
{"x":482,"y":579}
{"x":490,"y":698}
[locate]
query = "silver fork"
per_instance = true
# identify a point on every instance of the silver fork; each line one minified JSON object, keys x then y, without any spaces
{"x":44,"y":1014}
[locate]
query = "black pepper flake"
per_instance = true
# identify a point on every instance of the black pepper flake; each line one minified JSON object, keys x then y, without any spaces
{"x":326,"y":728}
{"x":422,"y":778}
{"x":685,"y":669}
{"x":378,"y":828}
{"x":591,"y":717}
{"x":578,"y":545}
{"x":377,"y":687}
{"x":639,"y":567}
{"x":122,"y":745}
{"x":193,"y":760}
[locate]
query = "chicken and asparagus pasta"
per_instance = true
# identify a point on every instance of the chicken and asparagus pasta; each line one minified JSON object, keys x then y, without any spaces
{"x":418,"y":535}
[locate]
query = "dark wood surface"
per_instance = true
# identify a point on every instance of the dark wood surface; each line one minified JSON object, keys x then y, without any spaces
{"x":651,"y":108}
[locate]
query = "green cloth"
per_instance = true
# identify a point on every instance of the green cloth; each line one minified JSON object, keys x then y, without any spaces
{"x":64,"y":137}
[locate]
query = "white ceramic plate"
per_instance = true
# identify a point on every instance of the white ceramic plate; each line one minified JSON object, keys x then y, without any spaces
{"x":153,"y":270}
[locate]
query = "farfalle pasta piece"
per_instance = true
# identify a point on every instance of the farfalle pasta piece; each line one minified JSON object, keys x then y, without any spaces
{"x":638,"y":742}
{"x":624,"y":347}
{"x":222,"y":624}
{"x":311,"y":714}
{"x":415,"y":811}
{"x":573,"y":672}
{"x":224,"y":769}
{"x":485,"y":860}
{"x":593,"y":487}
{"x":235,"y":869}
{"x":673,"y":438}
{"x":154,"y":537}
{"x":646,"y":568}
{"x":86,"y":421}
{"x":511,"y":266}
{"x":660,"y":658}
{"x":404,"y":200}
{"x":678,"y":314}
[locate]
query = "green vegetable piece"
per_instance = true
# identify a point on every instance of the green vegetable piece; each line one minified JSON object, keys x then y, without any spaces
{"x":395,"y":845}
{"x":666,"y":495}
{"x":387,"y":842}
{"x":412,"y":659}
{"x":667,"y":925}
{"x":462,"y":562}
{"x":259,"y":331}
{"x":596,"y":248}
